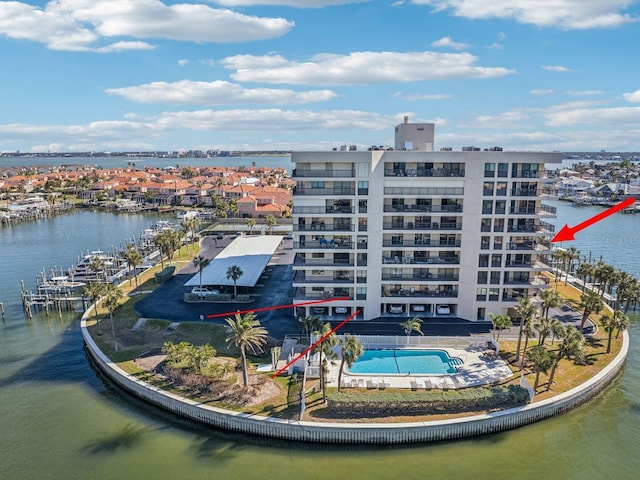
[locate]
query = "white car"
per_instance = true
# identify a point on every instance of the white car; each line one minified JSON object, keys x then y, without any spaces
{"x":341,"y":309}
{"x":396,"y":308}
{"x":202,"y":291}
{"x":443,"y":310}
{"x":418,"y":308}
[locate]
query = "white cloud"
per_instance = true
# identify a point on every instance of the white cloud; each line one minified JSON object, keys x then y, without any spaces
{"x":448,"y":42}
{"x":540,"y":92}
{"x":496,"y":46}
{"x":183,"y":62}
{"x":564,"y":116}
{"x":359,"y":68}
{"x":123,"y":46}
{"x":77,"y":25}
{"x":584,"y":93}
{"x":565,"y":14}
{"x":277,"y":120}
{"x":412,"y":97}
{"x":186,"y":92}
{"x":632,"y":96}
{"x":287,"y":3}
{"x":556,"y":68}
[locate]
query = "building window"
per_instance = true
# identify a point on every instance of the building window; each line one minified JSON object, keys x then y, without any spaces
{"x":317,"y":184}
{"x":363,"y":188}
{"x":495,"y":278}
{"x":485,"y":226}
{"x":501,"y":189}
{"x":482,"y":279}
{"x":498,"y":225}
{"x":483,"y":261}
{"x":503,"y":170}
{"x":481,"y":313}
{"x":484,"y":243}
{"x":487,"y":189}
{"x":489,"y":170}
{"x":363,"y":169}
{"x":496,"y":260}
{"x":501,"y":206}
{"x":497,"y":243}
{"x":494,"y":294}
{"x":481,"y":294}
{"x":487,"y":207}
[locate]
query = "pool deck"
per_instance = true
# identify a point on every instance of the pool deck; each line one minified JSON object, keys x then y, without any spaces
{"x":476,"y":369}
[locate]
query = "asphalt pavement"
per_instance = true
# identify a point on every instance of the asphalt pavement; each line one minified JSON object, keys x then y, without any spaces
{"x":274,"y":288}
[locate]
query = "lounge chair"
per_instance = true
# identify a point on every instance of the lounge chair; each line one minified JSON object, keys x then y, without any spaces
{"x":427,"y":383}
{"x":414,"y":385}
{"x":372,"y":384}
{"x":383,"y":384}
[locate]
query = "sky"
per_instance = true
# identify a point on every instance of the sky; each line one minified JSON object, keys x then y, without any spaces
{"x":142,"y":75}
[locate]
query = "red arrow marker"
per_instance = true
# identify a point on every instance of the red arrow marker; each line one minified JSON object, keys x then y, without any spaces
{"x":566,"y":233}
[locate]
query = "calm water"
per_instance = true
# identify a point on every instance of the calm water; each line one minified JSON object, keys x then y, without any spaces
{"x":61,"y":421}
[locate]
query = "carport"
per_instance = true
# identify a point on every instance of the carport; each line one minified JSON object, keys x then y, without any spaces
{"x":251,"y":253}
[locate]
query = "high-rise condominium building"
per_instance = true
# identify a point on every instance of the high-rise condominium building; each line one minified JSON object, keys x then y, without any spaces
{"x":415,"y":232}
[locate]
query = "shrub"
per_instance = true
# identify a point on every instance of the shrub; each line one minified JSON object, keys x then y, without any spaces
{"x":426,"y":403}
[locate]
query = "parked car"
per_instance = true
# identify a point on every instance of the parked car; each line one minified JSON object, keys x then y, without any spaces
{"x":319,"y":310}
{"x":443,"y":310}
{"x":418,"y":308}
{"x":341,"y":309}
{"x":202,"y":291}
{"x":396,"y":308}
{"x":220,"y":236}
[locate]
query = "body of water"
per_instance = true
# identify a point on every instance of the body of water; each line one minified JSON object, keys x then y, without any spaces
{"x":61,"y":420}
{"x":272,"y":161}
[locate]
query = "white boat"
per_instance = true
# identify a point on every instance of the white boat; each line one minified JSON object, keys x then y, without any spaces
{"x":60,"y":284}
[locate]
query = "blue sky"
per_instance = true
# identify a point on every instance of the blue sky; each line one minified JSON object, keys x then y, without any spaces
{"x":551,"y":75}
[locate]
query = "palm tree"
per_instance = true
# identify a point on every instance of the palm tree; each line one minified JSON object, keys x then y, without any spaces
{"x":623,"y":282}
{"x":571,"y":346}
{"x":95,"y":290}
{"x":544,"y":328}
{"x":631,"y":294}
{"x":603,"y":274}
{"x":113,"y":295}
{"x":571,"y":254}
{"x":618,"y":321}
{"x":585,"y":270}
{"x":499,"y":322}
{"x":528,"y":332}
{"x":352,"y":349}
{"x":200,"y":263}
{"x":161,"y":240}
{"x":541,"y":360}
{"x":310,"y":324}
{"x":558,"y":257}
{"x":133,"y":258}
{"x":526,"y":311}
{"x":234,"y":272}
{"x":590,"y":303}
{"x":556,"y":329}
{"x":97,"y":264}
{"x":271,"y":222}
{"x":412,"y":325}
{"x":251,"y":223}
{"x":549,"y":299}
{"x":326,"y":352}
{"x":245,"y":332}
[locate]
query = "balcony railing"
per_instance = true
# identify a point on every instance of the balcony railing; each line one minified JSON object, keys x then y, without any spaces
{"x":323,"y":227}
{"x":300,"y":173}
{"x":410,"y":260}
{"x":301,"y":295}
{"x":322,"y":243}
{"x":419,"y":191}
{"x":421,"y":243}
{"x":323,"y":262}
{"x":423,"y":172}
{"x":524,"y":192}
{"x":423,"y":292}
{"x":321,"y":210}
{"x":423,"y":277}
{"x":300,"y":190}
{"x":421,"y":226}
{"x":424,"y":208}
{"x":528,"y":174}
{"x":302,"y":277}
{"x":544,"y":227}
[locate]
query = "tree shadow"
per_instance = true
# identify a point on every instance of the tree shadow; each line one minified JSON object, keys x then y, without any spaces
{"x":127,"y":438}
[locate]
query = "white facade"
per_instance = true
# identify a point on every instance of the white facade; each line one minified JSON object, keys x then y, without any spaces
{"x":418,"y":233}
{"x":414,"y":136}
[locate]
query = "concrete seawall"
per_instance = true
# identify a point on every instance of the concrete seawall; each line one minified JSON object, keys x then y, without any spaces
{"x":358,"y":433}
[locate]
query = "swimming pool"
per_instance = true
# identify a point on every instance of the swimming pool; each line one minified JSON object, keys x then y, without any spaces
{"x":420,"y":362}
